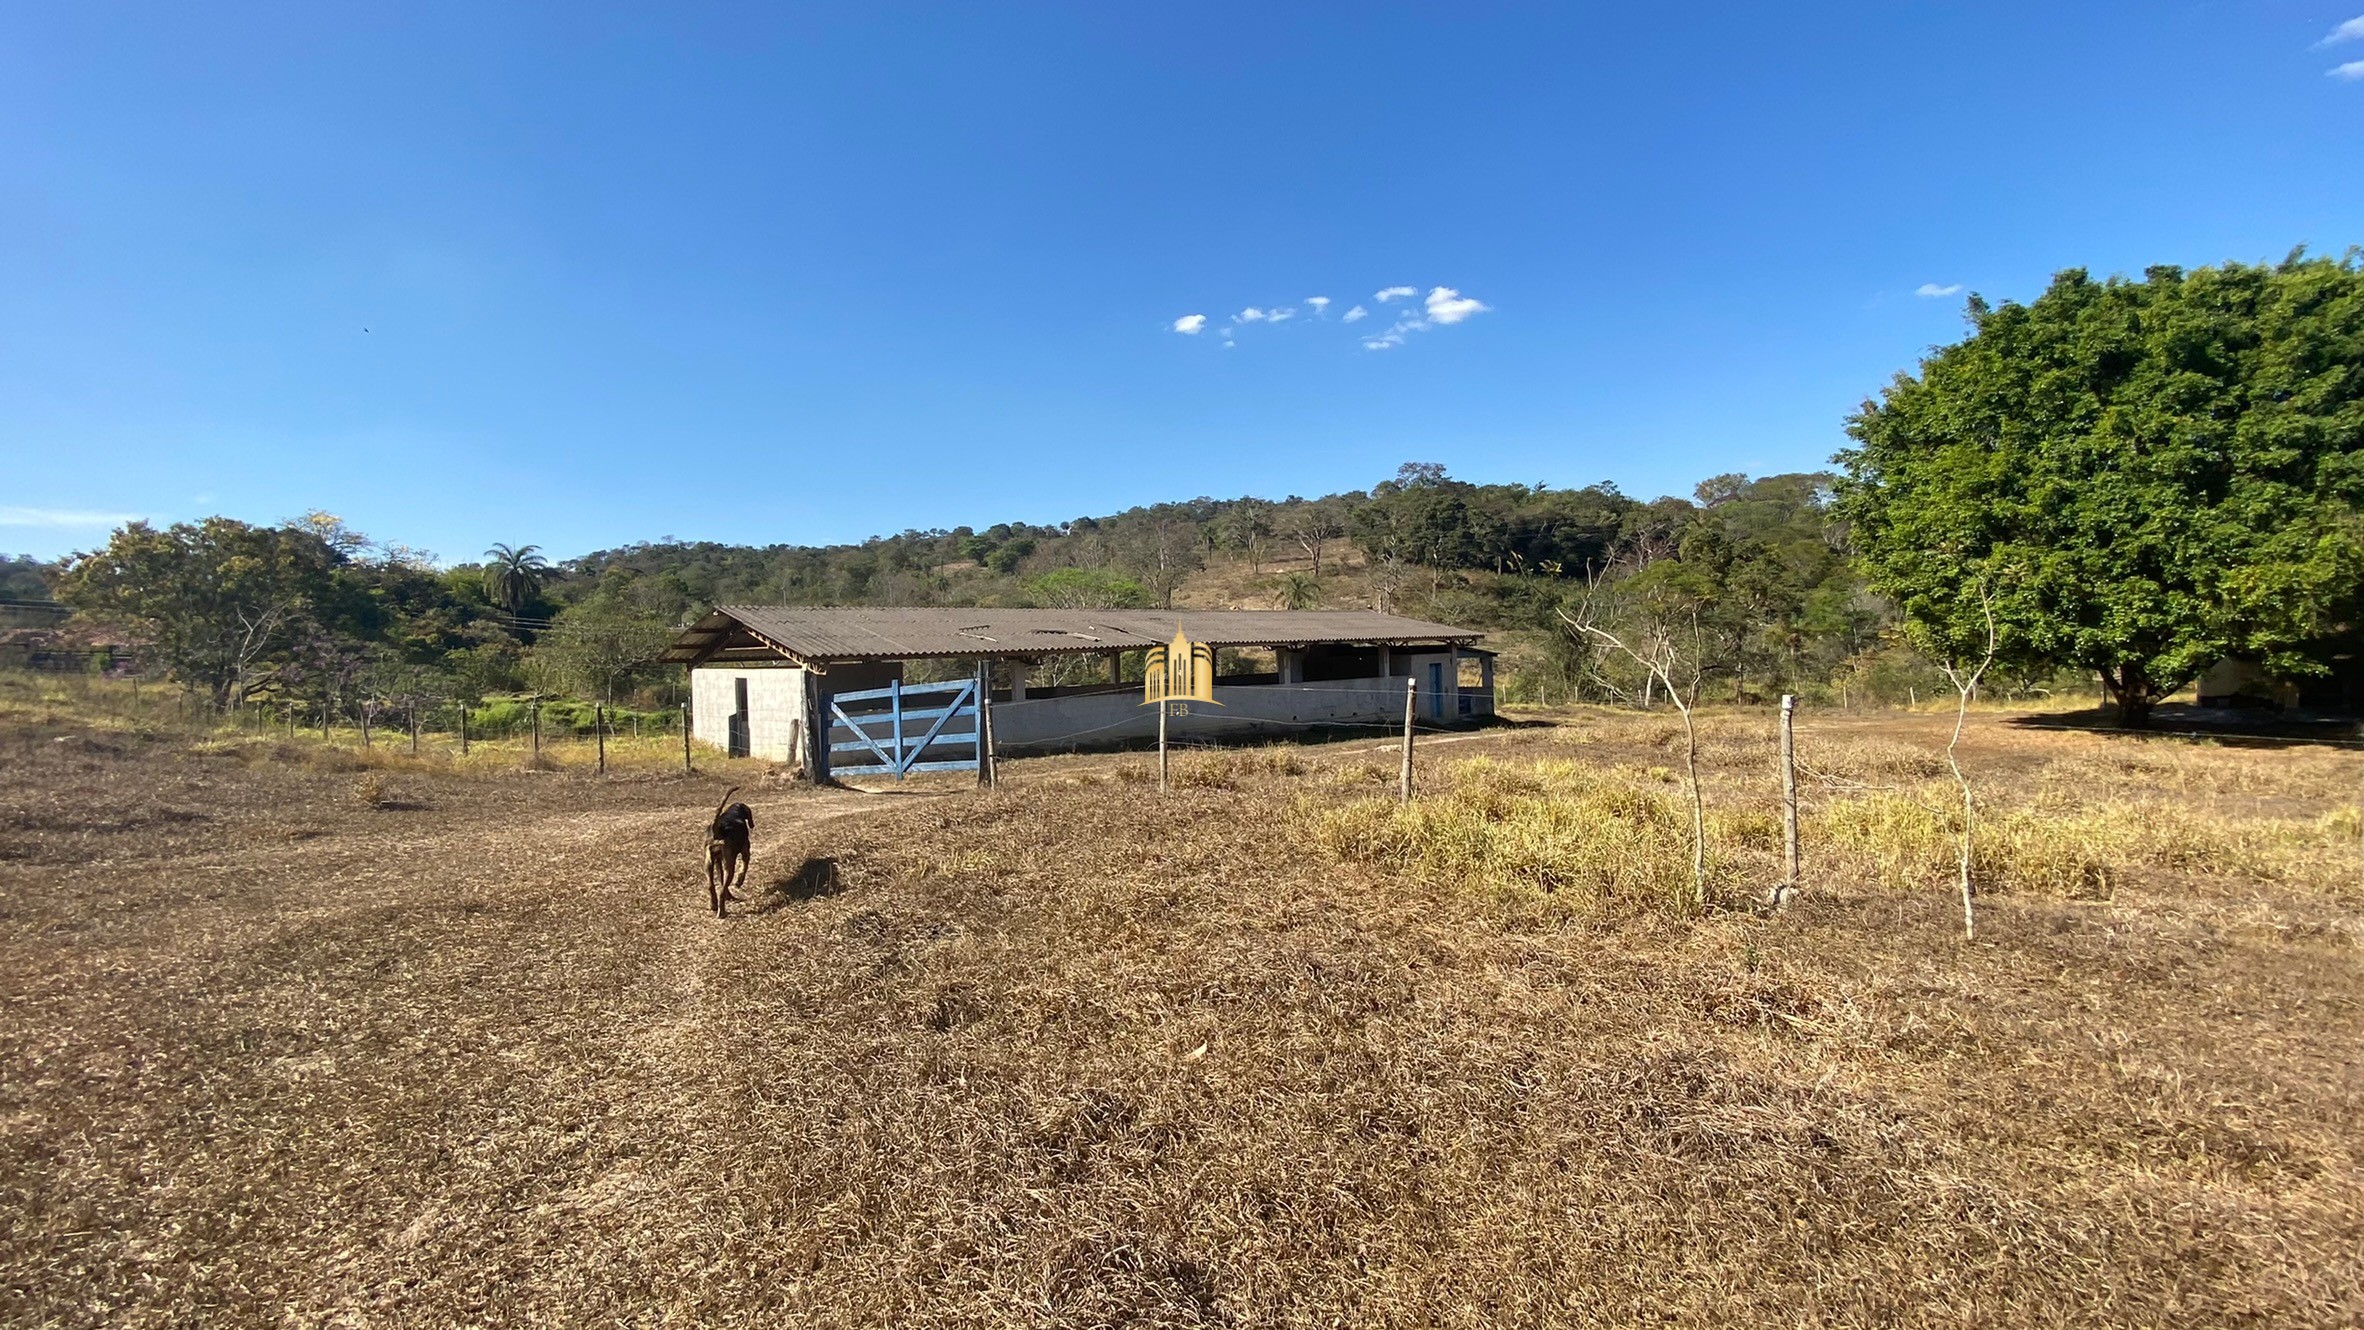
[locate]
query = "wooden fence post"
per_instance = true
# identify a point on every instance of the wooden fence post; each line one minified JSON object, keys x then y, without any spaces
{"x":1789,"y":793}
{"x":599,"y":731}
{"x":1161,"y":745}
{"x":687,"y":768}
{"x":463,"y":705}
{"x":414,"y":729}
{"x":1411,"y":692}
{"x":537,"y":710}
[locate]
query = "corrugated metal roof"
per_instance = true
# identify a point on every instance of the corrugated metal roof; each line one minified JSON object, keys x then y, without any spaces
{"x":870,"y":633}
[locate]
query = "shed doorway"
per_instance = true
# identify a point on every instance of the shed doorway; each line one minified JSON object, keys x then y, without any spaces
{"x":742,"y":738}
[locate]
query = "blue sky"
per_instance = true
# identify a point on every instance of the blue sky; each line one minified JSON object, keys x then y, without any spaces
{"x":579,"y":276}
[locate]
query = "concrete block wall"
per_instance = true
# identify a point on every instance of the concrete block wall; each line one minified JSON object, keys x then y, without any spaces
{"x":775,"y":705}
{"x":1060,"y":723}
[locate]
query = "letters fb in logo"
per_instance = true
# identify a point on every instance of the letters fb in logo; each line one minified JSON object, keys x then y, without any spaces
{"x":1180,"y":671}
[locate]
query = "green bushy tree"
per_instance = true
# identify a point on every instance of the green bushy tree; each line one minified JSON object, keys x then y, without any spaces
{"x":2148,"y":475}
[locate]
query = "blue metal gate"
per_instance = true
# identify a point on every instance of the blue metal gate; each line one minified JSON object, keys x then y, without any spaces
{"x":903,"y":728}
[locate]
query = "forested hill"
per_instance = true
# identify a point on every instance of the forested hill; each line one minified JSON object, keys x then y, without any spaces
{"x":1387,"y":541}
{"x":1763,"y":562}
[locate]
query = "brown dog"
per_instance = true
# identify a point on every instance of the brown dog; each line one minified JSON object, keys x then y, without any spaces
{"x":730,"y":847}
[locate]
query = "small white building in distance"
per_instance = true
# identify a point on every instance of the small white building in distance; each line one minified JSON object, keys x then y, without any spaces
{"x":764,"y":681}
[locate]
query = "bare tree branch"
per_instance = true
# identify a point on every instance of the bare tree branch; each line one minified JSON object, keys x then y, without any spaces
{"x":1662,"y":655}
{"x":1965,"y":686}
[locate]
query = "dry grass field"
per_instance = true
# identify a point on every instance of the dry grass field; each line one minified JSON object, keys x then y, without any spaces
{"x":289,"y":1041}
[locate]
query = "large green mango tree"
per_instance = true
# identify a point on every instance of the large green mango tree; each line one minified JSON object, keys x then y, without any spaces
{"x":2135,"y":477}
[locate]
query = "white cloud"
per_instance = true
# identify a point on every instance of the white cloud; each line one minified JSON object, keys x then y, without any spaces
{"x":1321,"y":305}
{"x":1394,"y":336}
{"x":63,"y":517}
{"x":2351,"y":71}
{"x":1249,"y":315}
{"x":1394,"y":293}
{"x":1358,"y":312}
{"x":1446,"y":305}
{"x":2350,"y":31}
{"x":1190,"y":324}
{"x":1280,"y":315}
{"x":1931,"y":290}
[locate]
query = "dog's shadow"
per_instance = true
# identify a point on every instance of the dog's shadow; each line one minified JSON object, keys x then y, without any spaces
{"x":816,"y":877}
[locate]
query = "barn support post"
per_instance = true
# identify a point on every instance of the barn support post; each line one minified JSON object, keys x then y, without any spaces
{"x":1411,"y":696}
{"x":816,"y":728}
{"x":984,"y":724}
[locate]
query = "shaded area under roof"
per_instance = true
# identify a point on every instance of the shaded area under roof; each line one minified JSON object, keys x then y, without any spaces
{"x":739,"y":633}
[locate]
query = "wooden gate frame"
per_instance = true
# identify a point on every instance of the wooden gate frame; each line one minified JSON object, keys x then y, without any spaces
{"x":896,"y":754}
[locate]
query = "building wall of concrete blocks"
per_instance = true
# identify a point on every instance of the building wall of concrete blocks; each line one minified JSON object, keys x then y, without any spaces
{"x":1257,"y":711}
{"x":775,"y":706}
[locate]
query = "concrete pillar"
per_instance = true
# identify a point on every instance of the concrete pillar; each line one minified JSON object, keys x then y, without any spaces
{"x":1387,"y":662}
{"x":1290,"y":663}
{"x":1116,"y":667}
{"x":1018,"y":669}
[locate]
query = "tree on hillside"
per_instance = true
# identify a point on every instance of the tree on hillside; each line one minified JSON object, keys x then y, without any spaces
{"x":1313,"y":524}
{"x":23,"y":577}
{"x":2148,"y":474}
{"x":1160,"y":548}
{"x":1248,"y":529}
{"x":596,"y":650}
{"x":512,"y":576}
{"x":1085,"y":589}
{"x":222,"y":604}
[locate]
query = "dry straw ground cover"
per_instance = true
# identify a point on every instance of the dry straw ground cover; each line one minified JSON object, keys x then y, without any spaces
{"x":1264,"y":1053}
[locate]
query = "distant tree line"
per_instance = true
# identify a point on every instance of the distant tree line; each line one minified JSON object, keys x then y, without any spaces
{"x":312,"y":612}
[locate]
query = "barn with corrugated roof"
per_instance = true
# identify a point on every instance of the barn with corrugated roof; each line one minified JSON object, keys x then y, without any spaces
{"x":855,"y":688}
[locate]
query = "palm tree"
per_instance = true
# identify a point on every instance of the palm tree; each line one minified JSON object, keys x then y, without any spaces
{"x":513,"y":575}
{"x":1299,"y":592}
